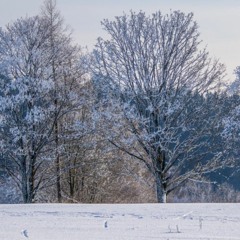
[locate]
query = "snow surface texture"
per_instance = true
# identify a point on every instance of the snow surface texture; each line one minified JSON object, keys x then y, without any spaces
{"x":115,"y":222}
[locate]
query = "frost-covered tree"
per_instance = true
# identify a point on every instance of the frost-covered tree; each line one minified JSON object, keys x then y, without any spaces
{"x":69,"y":94}
{"x":231,"y":121}
{"x":153,"y":80}
{"x":63,"y":56}
{"x":40,"y":81}
{"x":25,"y":101}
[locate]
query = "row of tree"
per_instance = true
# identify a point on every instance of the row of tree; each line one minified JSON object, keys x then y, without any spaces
{"x":147,"y":104}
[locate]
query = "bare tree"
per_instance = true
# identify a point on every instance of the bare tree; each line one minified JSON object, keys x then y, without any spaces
{"x":66,"y":74}
{"x":155,"y":84}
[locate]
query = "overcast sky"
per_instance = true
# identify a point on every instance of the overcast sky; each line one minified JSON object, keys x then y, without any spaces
{"x":218,"y":20}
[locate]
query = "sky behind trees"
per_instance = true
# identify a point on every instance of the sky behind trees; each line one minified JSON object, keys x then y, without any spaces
{"x":217,"y":20}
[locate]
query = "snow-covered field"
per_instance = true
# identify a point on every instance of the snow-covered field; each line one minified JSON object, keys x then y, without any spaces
{"x":133,"y":221}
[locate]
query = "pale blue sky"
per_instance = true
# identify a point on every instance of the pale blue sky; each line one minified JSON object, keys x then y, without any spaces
{"x":218,"y":20}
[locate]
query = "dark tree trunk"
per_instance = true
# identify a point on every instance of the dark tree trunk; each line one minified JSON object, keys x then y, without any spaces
{"x":161,"y":184}
{"x":161,"y":192}
{"x":27,"y":182}
{"x":57,"y":165}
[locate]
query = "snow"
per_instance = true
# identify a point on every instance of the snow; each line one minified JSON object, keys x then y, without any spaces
{"x":120,"y":221}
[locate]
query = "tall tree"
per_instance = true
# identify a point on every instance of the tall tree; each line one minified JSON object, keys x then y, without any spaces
{"x":63,"y":58}
{"x":153,"y":79}
{"x":41,"y":77}
{"x":26,"y":117}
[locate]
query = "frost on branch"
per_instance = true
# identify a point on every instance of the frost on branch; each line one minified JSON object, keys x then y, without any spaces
{"x":157,"y":86}
{"x":39,"y":86}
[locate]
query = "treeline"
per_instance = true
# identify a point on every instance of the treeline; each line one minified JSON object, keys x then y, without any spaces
{"x":141,"y":118}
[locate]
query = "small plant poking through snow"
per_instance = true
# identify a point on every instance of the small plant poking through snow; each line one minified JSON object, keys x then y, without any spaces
{"x":24,"y":233}
{"x":105,"y":224}
{"x":171,"y":231}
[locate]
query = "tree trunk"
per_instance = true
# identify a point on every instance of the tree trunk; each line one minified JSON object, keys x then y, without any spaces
{"x":71,"y":184}
{"x":31,"y":180}
{"x":58,"y":184}
{"x":24,"y":187}
{"x":57,"y":165}
{"x":27,"y":183}
{"x":161,"y":185}
{"x":24,"y":182}
{"x":161,"y":192}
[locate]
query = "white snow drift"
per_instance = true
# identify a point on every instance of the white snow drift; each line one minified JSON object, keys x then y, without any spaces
{"x":115,"y":222}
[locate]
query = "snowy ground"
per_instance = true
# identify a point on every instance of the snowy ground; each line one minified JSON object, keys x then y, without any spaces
{"x":128,"y":222}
